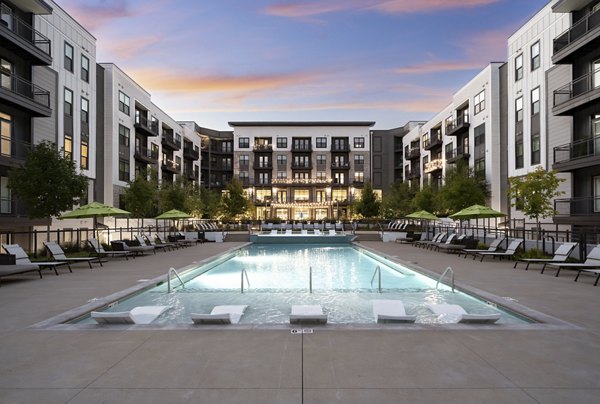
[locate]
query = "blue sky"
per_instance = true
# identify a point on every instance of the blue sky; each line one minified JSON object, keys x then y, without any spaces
{"x":215,"y":61}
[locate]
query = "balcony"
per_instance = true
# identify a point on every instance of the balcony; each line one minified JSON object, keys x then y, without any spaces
{"x":299,"y":181}
{"x":584,"y":210}
{"x":457,"y":154}
{"x":358,"y":183}
{"x":190,"y":175}
{"x":146,"y":155}
{"x":577,"y":155}
{"x":301,"y":166}
{"x":190,"y":153}
{"x":170,"y":166}
{"x":301,"y":148}
{"x":263,"y":165}
{"x":263,"y":148}
{"x":413,"y":174}
{"x":23,"y":39}
{"x":434,"y":165}
{"x":13,"y":152}
{"x":458,"y":126}
{"x":146,"y":127}
{"x":170,"y":142}
{"x":340,"y":148}
{"x":580,"y":39}
{"x":25,"y":95}
{"x":435,"y":141}
{"x":578,"y":94}
{"x":413,"y":153}
{"x":340,"y":166}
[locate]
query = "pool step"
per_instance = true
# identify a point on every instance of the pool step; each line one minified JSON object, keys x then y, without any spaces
{"x":238,"y":237}
{"x":368,"y":236}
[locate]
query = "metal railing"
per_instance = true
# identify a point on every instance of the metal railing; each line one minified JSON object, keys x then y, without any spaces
{"x":585,"y":206}
{"x":576,"y":150}
{"x":263,"y":148}
{"x":460,"y":121}
{"x":141,"y":151}
{"x":148,"y":124}
{"x":413,"y":152}
{"x":576,"y":31}
{"x":25,"y":88}
{"x":170,"y":140}
{"x":191,"y":152}
{"x":24,"y":30}
{"x":459,"y":152}
{"x":576,"y":88}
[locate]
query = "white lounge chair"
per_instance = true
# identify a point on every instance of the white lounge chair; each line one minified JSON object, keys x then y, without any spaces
{"x":318,"y":232}
{"x":21,"y":258}
{"x":221,"y":315}
{"x":58,"y":254}
{"x":386,"y":311}
{"x":288,"y":232}
{"x":274,"y":232}
{"x":590,"y":265}
{"x":137,"y":315}
{"x":308,"y":314}
{"x":454,"y":311}
{"x":331,"y":232}
{"x":560,"y":255}
{"x":304,"y":232}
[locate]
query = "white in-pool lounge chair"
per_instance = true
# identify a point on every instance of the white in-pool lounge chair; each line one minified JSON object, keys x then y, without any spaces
{"x":304,"y":232}
{"x":230,"y":314}
{"x":137,"y":315}
{"x":331,"y":232}
{"x":308,"y":314}
{"x":318,"y":232}
{"x":274,"y":232}
{"x":288,"y":232}
{"x":388,"y":311}
{"x":455,"y":311}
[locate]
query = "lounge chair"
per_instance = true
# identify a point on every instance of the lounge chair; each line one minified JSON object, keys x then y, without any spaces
{"x":8,"y":270}
{"x":332,"y":232}
{"x":221,"y":315}
{"x":494,"y":245}
{"x":308,"y":314}
{"x":560,"y":255}
{"x":449,"y":240}
{"x":99,"y":251}
{"x":58,"y":254}
{"x":119,"y":245}
{"x":387,"y":311}
{"x":273,"y":232}
{"x":163,"y":246}
{"x":21,"y":258}
{"x":318,"y":232}
{"x":142,"y":241}
{"x":459,"y":244}
{"x":591,"y":263}
{"x":509,"y":253}
{"x":137,"y":315}
{"x":162,"y":240}
{"x":454,"y":311}
{"x":436,"y":239}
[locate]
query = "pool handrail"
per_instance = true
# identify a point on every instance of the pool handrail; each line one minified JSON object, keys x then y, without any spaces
{"x":449,"y":269}
{"x":377,"y":271}
{"x":172,"y":270}
{"x":244,"y":272}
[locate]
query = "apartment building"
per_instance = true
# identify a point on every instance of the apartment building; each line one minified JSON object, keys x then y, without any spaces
{"x":138,"y":139}
{"x":25,"y":97}
{"x":574,"y":106}
{"x":470,"y":129}
{"x":302,"y":170}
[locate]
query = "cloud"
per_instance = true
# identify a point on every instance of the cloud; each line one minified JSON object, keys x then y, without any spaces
{"x":437,"y":67}
{"x":304,"y":9}
{"x":94,"y":14}
{"x":130,"y":48}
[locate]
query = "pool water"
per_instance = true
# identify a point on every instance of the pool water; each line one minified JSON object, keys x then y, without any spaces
{"x":279,"y":276}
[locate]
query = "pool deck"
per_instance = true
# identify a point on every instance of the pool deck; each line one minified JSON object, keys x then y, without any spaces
{"x":258,"y":365}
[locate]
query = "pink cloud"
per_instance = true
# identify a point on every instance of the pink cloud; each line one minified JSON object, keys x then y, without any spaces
{"x":94,"y":15}
{"x":129,"y":48}
{"x":437,"y":67}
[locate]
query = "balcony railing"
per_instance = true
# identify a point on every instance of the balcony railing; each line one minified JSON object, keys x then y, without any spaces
{"x":146,"y":154}
{"x":413,"y":152}
{"x":340,"y":148}
{"x":340,"y":166}
{"x":191,"y":153}
{"x":24,"y":30}
{"x":432,"y":142}
{"x":458,"y":125}
{"x":577,"y":87}
{"x":458,"y":153}
{"x":170,"y":165}
{"x":169,"y":140}
{"x":577,"y":150}
{"x":263,"y":165}
{"x":12,"y":148}
{"x":301,"y":166}
{"x":263,"y":148}
{"x":149,"y":127}
{"x":190,"y":175}
{"x":586,"y":206}
{"x":434,"y":165}
{"x":301,"y":147}
{"x":576,"y":31}
{"x":413,"y":174}
{"x":25,"y":88}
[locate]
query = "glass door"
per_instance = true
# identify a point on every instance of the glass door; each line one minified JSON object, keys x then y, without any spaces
{"x":596,"y":135}
{"x":596,"y":74}
{"x":6,"y":133}
{"x":597,"y":194}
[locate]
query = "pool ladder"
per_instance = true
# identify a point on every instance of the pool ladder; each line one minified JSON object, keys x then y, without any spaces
{"x":377,"y":272}
{"x":243,"y":274}
{"x":173,"y":271}
{"x":449,"y":269}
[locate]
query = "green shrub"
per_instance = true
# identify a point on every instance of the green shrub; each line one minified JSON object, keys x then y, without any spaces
{"x":533,"y":253}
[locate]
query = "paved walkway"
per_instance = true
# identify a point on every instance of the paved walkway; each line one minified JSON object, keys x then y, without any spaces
{"x":393,"y":365}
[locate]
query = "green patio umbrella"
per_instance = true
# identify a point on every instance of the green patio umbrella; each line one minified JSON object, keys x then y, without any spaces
{"x":94,"y":210}
{"x":422,"y":215}
{"x":173,"y":214}
{"x":476,"y":212}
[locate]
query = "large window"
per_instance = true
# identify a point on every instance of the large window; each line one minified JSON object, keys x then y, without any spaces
{"x":359,"y":159}
{"x":281,"y":160}
{"x":244,"y":143}
{"x":479,"y":102}
{"x":535,"y":55}
{"x":123,"y":136}
{"x":359,"y":176}
{"x":479,"y":135}
{"x":68,"y":147}
{"x":85,"y":110}
{"x":597,"y":194}
{"x":519,"y":67}
{"x":84,"y":161}
{"x":5,"y":196}
{"x":68,"y":102}
{"x":339,"y":178}
{"x":85,"y":69}
{"x":301,"y":195}
{"x":6,"y":133}
{"x":479,"y":168}
{"x":535,"y":148}
{"x":519,"y":154}
{"x":359,"y":142}
{"x":123,"y":103}
{"x":282,"y":142}
{"x":321,"y":159}
{"x":535,"y":101}
{"x":321,"y":142}
{"x":244,"y":161}
{"x":69,"y":57}
{"x":6,"y":70}
{"x":322,"y":175}
{"x":519,"y":109}
{"x":123,"y":170}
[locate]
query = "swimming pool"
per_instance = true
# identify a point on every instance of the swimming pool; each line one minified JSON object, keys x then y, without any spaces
{"x":343,"y":280}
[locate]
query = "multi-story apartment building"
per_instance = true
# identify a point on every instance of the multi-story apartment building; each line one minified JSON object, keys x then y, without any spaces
{"x":302,"y":170}
{"x":25,"y":97}
{"x":137,"y":138}
{"x":574,"y":101}
{"x":469,"y":128}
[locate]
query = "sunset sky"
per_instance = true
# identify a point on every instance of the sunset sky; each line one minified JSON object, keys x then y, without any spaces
{"x":215,"y":61}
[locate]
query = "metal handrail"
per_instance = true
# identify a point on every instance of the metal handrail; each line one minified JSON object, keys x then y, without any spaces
{"x":377,"y":271}
{"x":244,"y":273}
{"x":449,"y":269}
{"x":310,"y":279}
{"x":172,"y":270}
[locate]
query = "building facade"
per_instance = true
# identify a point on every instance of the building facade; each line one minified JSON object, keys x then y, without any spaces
{"x":302,"y":170}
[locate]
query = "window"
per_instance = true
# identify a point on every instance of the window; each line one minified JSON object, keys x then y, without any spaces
{"x":5,"y":196}
{"x":264,"y":161}
{"x":339,"y":195}
{"x":123,"y":103}
{"x":519,"y":154}
{"x":596,"y":194}
{"x":84,"y":155}
{"x":123,"y":170}
{"x":123,"y":135}
{"x":321,"y":142}
{"x":281,"y":142}
{"x":535,"y":148}
{"x":85,"y":69}
{"x":6,"y":70}
{"x":359,"y":159}
{"x":321,"y":195}
{"x":535,"y":55}
{"x":339,"y":178}
{"x":322,"y":175}
{"x":519,"y":67}
{"x":68,"y":147}
{"x":359,"y":142}
{"x":479,"y":135}
{"x":359,"y":176}
{"x":85,"y":108}
{"x":6,"y":135}
{"x":281,"y":160}
{"x":480,"y":167}
{"x":281,"y":196}
{"x":302,"y":161}
{"x":535,"y":101}
{"x":301,"y":194}
{"x":69,"y":57}
{"x":282,"y":174}
{"x":321,"y":159}
{"x":519,"y":109}
{"x":244,"y":160}
{"x":479,"y":102}
{"x":244,"y":142}
{"x":68,"y":102}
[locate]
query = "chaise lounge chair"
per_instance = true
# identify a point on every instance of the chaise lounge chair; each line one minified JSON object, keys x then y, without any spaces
{"x":590,"y":265}
{"x":99,"y":251}
{"x":438,"y":238}
{"x":494,"y":245}
{"x":388,"y":311}
{"x":8,"y":270}
{"x":58,"y":254}
{"x":137,"y":315}
{"x":449,"y":240}
{"x":163,"y":246}
{"x":560,"y":255}
{"x":21,"y":258}
{"x":308,"y":314}
{"x":509,"y":253}
{"x":230,"y":314}
{"x":454,"y":311}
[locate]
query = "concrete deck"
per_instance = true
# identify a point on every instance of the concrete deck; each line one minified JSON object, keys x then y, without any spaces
{"x":396,"y":365}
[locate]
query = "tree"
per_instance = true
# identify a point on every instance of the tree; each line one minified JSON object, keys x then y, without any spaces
{"x":141,"y":198}
{"x":368,"y":206}
{"x":462,"y":188}
{"x":211,"y":201}
{"x":234,"y":202}
{"x":534,"y":192}
{"x":397,"y":202}
{"x":426,"y":199}
{"x":172,"y":196}
{"x":193,"y":200}
{"x":47,"y":183}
